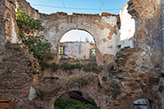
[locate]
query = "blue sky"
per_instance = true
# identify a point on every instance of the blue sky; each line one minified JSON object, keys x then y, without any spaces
{"x":84,"y":6}
{"x":88,"y":6}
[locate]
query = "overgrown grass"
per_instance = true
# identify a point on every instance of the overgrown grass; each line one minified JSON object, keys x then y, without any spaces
{"x":92,"y":67}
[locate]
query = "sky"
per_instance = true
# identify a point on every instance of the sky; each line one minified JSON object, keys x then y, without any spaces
{"x":78,"y":6}
{"x":72,"y":36}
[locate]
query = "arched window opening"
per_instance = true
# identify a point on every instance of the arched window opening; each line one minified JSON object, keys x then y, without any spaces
{"x":77,"y":45}
{"x":74,"y":100}
{"x":144,"y":104}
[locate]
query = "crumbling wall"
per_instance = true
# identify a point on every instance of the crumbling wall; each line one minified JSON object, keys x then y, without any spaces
{"x":24,"y":6}
{"x":102,"y":28}
{"x":136,"y":75}
{"x":127,"y":29}
{"x":16,"y":75}
{"x":147,"y":17}
{"x":9,"y":30}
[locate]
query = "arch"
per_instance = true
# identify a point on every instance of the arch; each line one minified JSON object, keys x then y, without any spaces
{"x":70,"y":30}
{"x":19,"y":103}
{"x":103,"y":29}
{"x":144,"y":103}
{"x":77,"y":96}
{"x":93,"y":95}
{"x":153,"y":98}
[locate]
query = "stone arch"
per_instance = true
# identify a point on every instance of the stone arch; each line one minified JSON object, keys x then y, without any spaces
{"x":103,"y":29}
{"x":17,"y":101}
{"x":154,"y":98}
{"x":62,"y":34}
{"x":94,"y":95}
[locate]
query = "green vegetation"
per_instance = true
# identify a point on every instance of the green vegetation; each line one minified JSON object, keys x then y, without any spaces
{"x":37,"y":45}
{"x":83,"y":81}
{"x":68,"y":66}
{"x":27,"y":24}
{"x":71,"y":103}
{"x":40,"y":93}
{"x":54,"y":66}
{"x":112,"y":88}
{"x":115,"y":89}
{"x":92,"y":67}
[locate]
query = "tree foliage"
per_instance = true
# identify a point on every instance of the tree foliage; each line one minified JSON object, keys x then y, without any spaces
{"x":27,"y":24}
{"x":37,"y":45}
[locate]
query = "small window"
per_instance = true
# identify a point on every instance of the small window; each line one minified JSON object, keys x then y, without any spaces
{"x":61,"y":50}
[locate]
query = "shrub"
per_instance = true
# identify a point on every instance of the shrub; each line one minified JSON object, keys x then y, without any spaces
{"x":37,"y":45}
{"x":71,"y":103}
{"x":68,"y":66}
{"x":27,"y":24}
{"x":92,"y":68}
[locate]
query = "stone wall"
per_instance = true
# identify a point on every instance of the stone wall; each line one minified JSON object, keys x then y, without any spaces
{"x":136,"y":75}
{"x":102,"y":28}
{"x":24,"y":6}
{"x":147,"y":15}
{"x":15,"y":75}
{"x":9,"y":29}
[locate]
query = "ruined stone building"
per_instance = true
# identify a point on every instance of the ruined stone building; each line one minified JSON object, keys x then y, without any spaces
{"x":79,"y":50}
{"x":132,"y":42}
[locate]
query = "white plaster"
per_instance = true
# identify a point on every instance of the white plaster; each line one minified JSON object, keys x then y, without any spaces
{"x":112,"y":20}
{"x":141,"y":101}
{"x":96,"y":20}
{"x":43,"y":23}
{"x":32,"y":94}
{"x":14,"y":35}
{"x":127,"y":30}
{"x":104,"y":45}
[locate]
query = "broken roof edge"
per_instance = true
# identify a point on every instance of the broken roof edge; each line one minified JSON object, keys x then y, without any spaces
{"x":64,"y":13}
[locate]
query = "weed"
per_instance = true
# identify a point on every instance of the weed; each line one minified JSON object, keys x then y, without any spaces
{"x":40,"y":93}
{"x":92,"y":68}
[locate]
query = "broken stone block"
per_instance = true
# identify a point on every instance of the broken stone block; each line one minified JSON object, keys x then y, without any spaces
{"x":32,"y":94}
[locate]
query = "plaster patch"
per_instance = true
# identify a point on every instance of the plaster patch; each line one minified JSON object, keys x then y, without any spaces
{"x":32,"y":94}
{"x":14,"y":35}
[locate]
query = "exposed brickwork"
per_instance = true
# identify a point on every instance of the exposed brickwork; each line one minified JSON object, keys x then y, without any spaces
{"x":15,"y":74}
{"x":147,"y":15}
{"x":136,"y":71}
{"x":102,"y":28}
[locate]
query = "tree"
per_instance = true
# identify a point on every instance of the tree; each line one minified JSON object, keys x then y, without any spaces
{"x":37,"y":45}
